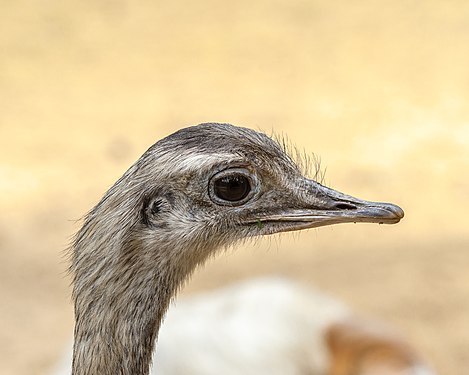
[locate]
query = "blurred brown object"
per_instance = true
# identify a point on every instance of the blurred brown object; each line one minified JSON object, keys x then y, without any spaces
{"x":361,"y":346}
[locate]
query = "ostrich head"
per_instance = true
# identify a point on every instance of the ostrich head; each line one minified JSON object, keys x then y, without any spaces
{"x":197,"y":190}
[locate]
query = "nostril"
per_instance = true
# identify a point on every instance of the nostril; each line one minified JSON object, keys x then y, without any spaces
{"x":345,"y":206}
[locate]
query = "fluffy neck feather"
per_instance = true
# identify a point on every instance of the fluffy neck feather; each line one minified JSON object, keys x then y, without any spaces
{"x":124,"y":278}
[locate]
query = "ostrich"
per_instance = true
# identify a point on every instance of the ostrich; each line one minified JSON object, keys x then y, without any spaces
{"x":195,"y":191}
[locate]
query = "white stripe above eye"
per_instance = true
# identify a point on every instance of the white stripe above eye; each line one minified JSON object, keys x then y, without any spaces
{"x":195,"y":162}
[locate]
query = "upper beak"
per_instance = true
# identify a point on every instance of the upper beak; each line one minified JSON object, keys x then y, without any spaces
{"x":321,"y":206}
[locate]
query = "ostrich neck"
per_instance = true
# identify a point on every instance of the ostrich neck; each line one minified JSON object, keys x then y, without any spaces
{"x":118,"y":311}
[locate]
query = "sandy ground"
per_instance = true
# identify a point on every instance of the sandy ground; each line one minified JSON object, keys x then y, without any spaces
{"x":378,"y":89}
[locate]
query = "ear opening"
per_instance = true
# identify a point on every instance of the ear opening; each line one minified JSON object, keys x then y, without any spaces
{"x":152,"y":208}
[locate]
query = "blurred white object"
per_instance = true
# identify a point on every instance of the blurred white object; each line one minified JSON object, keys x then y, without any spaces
{"x":263,"y":326}
{"x":277,"y":327}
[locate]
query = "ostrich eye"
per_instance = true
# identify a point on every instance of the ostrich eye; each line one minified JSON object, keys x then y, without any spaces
{"x":232,"y":188}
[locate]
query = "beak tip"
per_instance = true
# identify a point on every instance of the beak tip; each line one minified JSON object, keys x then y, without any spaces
{"x":397,"y":211}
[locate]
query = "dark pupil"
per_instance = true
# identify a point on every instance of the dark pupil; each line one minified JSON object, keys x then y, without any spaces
{"x":232,"y":188}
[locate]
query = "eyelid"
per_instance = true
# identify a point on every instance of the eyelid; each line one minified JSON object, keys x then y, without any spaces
{"x":241,"y":165}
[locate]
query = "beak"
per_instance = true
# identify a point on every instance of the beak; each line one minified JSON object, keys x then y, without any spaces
{"x":319,"y":206}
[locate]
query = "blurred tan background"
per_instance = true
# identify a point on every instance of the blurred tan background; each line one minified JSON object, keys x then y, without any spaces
{"x":379,"y":90}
